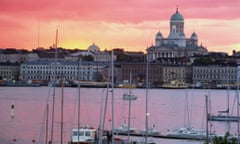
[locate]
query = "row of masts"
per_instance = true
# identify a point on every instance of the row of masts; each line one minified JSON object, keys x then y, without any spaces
{"x":112,"y":92}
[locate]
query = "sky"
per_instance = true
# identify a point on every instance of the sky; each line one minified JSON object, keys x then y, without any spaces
{"x":128,"y":24}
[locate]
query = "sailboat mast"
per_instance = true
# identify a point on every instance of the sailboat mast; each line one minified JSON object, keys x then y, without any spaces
{"x":147,"y":114}
{"x":103,"y":117}
{"x":228,"y":88}
{"x":38,"y":35}
{"x":79,"y":59}
{"x":54,"y":85}
{"x":129,"y":107}
{"x":112,"y":98}
{"x":207,"y":113}
{"x":238,"y":104}
{"x":46,"y":136}
{"x":62,"y":102}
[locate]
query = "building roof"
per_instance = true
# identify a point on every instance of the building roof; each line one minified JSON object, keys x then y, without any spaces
{"x":46,"y":62}
{"x":9,"y":64}
{"x":177,"y":16}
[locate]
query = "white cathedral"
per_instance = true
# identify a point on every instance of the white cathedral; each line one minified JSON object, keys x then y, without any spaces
{"x":176,"y":45}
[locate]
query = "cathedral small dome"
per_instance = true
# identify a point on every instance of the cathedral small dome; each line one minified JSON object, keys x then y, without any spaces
{"x":159,"y":35}
{"x":93,"y":48}
{"x":177,"y":17}
{"x":194,"y":36}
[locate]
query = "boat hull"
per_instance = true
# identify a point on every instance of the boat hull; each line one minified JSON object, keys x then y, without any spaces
{"x":224,"y":118}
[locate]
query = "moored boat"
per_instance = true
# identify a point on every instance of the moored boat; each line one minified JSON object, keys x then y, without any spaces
{"x":91,"y":84}
{"x":84,"y":135}
{"x":151,"y":131}
{"x":124,"y":129}
{"x":223,"y":118}
{"x":189,"y":133}
{"x":129,"y":96}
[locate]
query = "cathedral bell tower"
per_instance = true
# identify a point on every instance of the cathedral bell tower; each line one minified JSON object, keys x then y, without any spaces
{"x":176,"y":25}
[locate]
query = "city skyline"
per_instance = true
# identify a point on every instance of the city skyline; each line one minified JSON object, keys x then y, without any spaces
{"x":128,"y":24}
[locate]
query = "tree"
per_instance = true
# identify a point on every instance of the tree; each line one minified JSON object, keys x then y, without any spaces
{"x":88,"y":58}
{"x":226,"y":139}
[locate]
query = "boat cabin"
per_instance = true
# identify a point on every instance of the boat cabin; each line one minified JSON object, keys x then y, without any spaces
{"x":83,"y":136}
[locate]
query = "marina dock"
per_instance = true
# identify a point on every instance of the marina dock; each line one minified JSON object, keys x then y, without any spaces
{"x":162,"y":136}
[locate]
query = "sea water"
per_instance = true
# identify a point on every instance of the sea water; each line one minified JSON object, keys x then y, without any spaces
{"x":23,"y":111}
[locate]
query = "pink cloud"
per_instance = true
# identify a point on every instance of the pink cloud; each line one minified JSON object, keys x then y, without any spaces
{"x":120,"y":10}
{"x":128,"y":23}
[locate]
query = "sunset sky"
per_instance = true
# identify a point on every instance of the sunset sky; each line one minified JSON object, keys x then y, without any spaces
{"x":128,"y":24}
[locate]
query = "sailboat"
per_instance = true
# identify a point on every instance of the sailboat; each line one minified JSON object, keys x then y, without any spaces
{"x":126,"y":128}
{"x":188,"y":131}
{"x":224,"y":115}
{"x":147,"y":131}
{"x":129,"y":96}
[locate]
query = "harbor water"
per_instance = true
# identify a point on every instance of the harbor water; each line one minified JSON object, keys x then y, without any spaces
{"x":23,"y":111}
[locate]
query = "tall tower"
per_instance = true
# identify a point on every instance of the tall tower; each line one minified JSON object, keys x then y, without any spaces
{"x":176,"y":25}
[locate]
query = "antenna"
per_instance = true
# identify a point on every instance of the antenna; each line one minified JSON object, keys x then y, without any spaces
{"x":38,"y":34}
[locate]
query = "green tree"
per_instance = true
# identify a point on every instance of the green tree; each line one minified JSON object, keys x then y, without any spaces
{"x":226,"y":139}
{"x":88,"y":58}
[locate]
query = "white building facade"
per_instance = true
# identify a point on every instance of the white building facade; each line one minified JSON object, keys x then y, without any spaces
{"x":47,"y":70}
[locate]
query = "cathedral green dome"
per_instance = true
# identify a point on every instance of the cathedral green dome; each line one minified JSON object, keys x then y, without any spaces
{"x":177,"y":17}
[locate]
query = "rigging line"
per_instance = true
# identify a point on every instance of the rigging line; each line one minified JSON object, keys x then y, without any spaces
{"x":86,"y":100}
{"x":45,"y":115}
{"x":113,"y":108}
{"x":107,"y":95}
{"x":186,"y":111}
{"x":74,"y":111}
{"x":146,"y":98}
{"x":203,"y":118}
{"x":129,"y":107}
{"x":209,"y":104}
{"x":106,"y":100}
{"x":191,"y":109}
{"x":100,"y":117}
{"x":79,"y":100}
{"x":233,"y":105}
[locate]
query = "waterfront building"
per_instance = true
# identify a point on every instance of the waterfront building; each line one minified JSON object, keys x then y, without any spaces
{"x":215,"y":75}
{"x":107,"y":73}
{"x":9,"y":71}
{"x":160,"y":72}
{"x":138,"y":71}
{"x":176,"y":44}
{"x":177,"y":74}
{"x":18,"y":57}
{"x":48,"y":70}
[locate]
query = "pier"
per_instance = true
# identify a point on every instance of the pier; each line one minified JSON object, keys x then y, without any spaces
{"x":161,"y":136}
